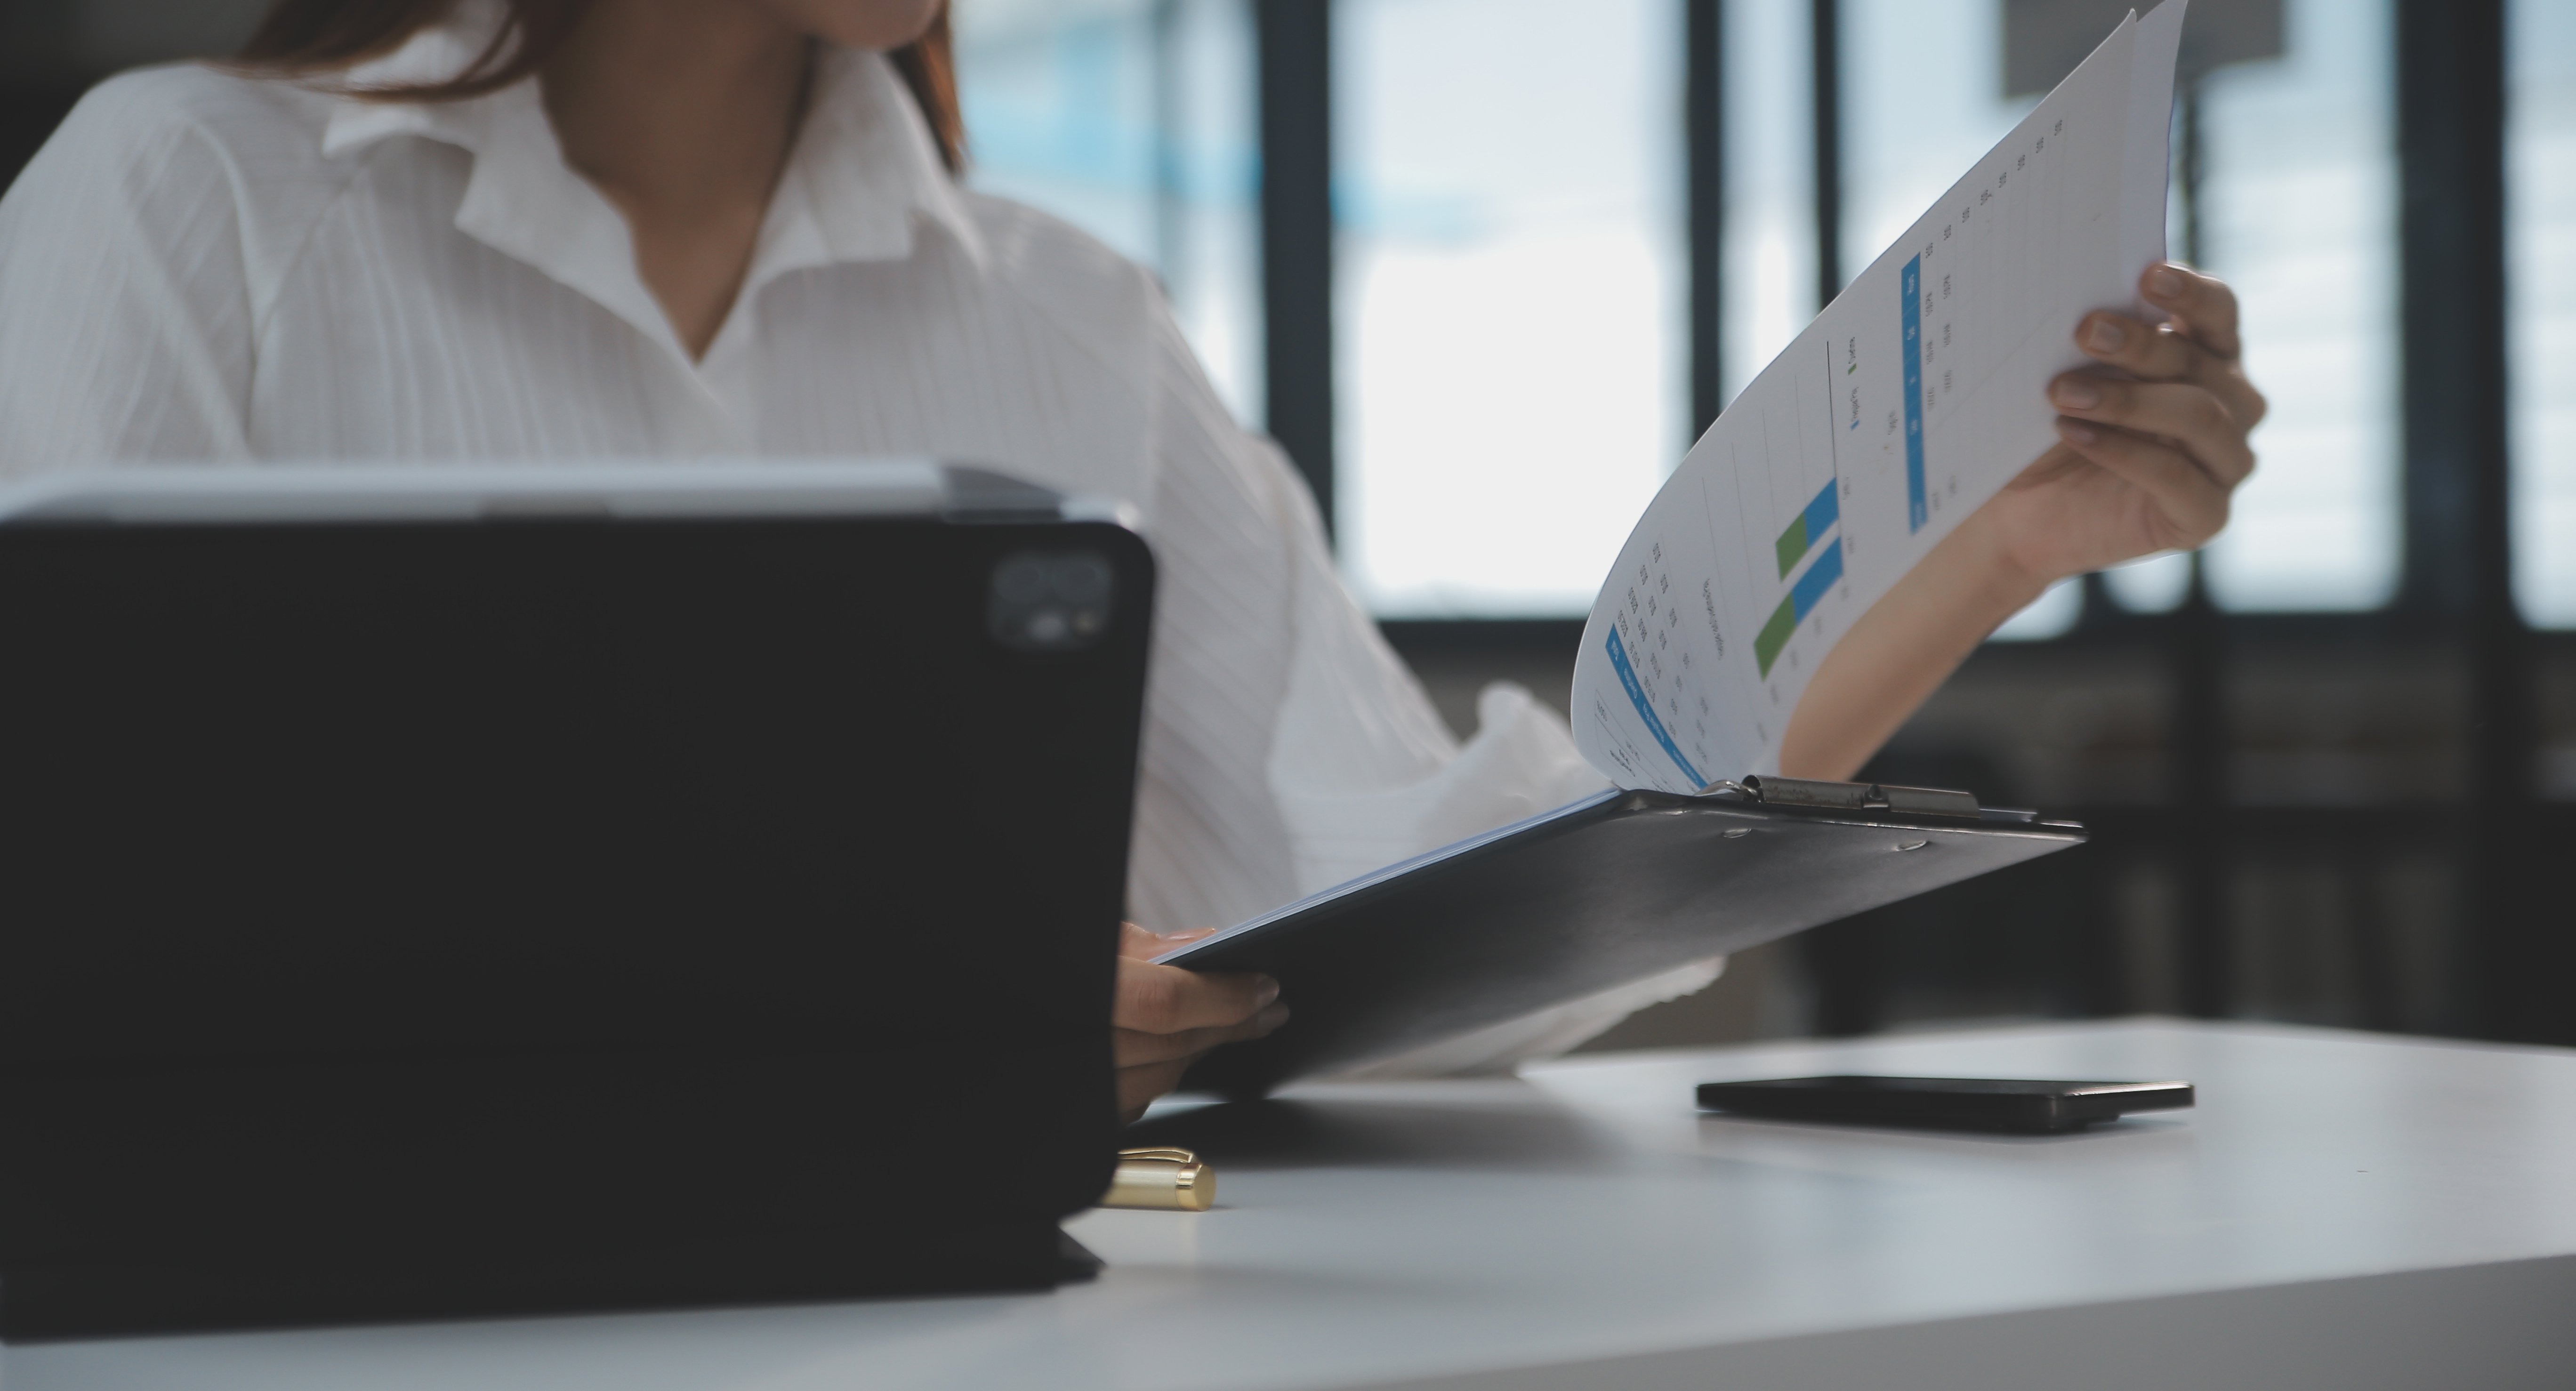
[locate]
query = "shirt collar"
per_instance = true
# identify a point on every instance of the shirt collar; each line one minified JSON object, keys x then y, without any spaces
{"x":869,"y":167}
{"x":864,"y":174}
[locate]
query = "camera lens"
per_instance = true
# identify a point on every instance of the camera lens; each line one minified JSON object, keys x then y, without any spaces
{"x":1021,"y":580}
{"x":1051,"y":601}
{"x":1079,"y":579}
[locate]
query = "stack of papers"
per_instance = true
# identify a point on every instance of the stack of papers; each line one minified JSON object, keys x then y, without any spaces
{"x":1916,"y":396}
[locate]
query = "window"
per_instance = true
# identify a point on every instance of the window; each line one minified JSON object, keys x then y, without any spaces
{"x":1922,"y":100}
{"x":2299,"y":212}
{"x":2540,"y":174}
{"x":1511,"y":283}
{"x":1136,"y":120}
{"x":1512,"y":373}
{"x":1770,"y":131}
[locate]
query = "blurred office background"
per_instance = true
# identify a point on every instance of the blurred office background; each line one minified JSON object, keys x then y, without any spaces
{"x":1486,"y":267}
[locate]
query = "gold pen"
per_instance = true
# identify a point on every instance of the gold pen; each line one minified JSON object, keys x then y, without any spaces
{"x":1163,"y":1180}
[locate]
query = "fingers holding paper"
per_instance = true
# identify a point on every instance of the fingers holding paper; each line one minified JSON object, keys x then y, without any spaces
{"x":2198,"y":307}
{"x":2186,"y":505}
{"x":2153,"y":447}
{"x":2173,"y":441}
{"x":2183,"y":379}
{"x":2197,"y":344}
{"x":2187,"y":415}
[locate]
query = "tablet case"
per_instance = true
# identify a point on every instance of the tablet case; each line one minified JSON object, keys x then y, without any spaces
{"x":1612,"y":889}
{"x":543,"y":896}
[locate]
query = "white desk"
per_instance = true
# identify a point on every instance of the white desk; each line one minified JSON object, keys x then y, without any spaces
{"x":2341,"y":1211}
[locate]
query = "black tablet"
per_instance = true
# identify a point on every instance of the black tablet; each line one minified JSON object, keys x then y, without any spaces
{"x":457,"y":891}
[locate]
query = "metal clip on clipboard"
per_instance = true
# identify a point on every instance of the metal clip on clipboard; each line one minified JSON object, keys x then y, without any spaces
{"x":1862,"y":796}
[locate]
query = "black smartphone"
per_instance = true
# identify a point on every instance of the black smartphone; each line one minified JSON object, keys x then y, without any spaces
{"x":2023,"y":1106}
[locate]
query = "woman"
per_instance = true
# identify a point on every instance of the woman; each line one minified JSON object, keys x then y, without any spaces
{"x":566,"y":229}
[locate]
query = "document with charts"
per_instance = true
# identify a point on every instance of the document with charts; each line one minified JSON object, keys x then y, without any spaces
{"x":1915,"y":396}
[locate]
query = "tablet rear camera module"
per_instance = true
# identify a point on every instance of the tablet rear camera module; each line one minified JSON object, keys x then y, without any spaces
{"x":1050,"y":601}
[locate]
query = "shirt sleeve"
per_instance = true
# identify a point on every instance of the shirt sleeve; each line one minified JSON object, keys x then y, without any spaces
{"x":1357,"y":769}
{"x":125,"y":320}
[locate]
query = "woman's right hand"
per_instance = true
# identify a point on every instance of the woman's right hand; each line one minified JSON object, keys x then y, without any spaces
{"x":1165,"y":1018}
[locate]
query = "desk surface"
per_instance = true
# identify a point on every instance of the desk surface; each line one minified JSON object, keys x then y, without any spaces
{"x":2341,"y":1209}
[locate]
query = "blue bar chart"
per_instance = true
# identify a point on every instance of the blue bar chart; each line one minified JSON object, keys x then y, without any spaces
{"x":1797,"y":604}
{"x":1646,"y":709}
{"x":1918,"y":509}
{"x":1805,"y":534}
{"x":1807,"y":530}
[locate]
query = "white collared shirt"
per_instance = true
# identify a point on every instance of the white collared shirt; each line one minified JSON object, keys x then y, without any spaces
{"x":205,"y":266}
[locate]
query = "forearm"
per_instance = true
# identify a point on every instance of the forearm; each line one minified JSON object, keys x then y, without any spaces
{"x":1903,"y":648}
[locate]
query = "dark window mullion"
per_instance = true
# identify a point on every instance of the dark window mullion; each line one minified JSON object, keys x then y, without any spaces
{"x":1826,"y":52}
{"x":1704,"y":155}
{"x":2458,"y":560}
{"x":1295,"y":40}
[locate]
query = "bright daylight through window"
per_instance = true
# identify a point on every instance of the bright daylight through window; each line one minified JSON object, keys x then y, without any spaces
{"x":1135,"y":120}
{"x":1923,"y":99}
{"x":2540,"y":170}
{"x":1769,"y":286}
{"x":2299,"y":212}
{"x":1512,"y":353}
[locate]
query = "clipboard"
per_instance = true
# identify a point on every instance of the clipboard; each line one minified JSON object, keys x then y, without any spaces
{"x":1608,"y":890}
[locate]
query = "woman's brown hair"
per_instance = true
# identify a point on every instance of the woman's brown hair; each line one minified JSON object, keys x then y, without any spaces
{"x":314,"y":36}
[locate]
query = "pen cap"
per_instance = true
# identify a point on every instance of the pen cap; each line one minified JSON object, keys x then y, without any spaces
{"x":1163,"y":1180}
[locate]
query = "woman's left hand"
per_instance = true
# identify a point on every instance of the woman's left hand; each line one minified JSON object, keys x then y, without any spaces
{"x":2151,"y":451}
